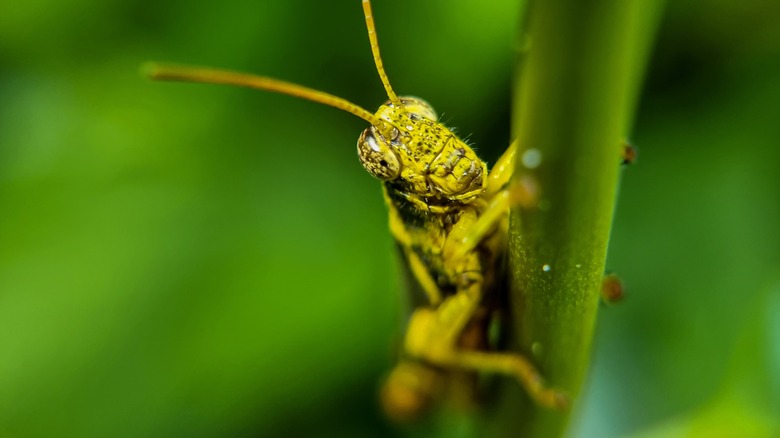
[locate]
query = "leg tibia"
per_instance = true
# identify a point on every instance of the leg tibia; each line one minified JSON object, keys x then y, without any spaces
{"x":513,"y":365}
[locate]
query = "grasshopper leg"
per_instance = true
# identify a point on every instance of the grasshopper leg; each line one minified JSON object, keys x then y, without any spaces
{"x":422,"y":275}
{"x":514,"y":365}
{"x":502,"y":171}
{"x":432,"y":337}
{"x":463,"y":240}
{"x":417,"y":266}
{"x":433,"y":333}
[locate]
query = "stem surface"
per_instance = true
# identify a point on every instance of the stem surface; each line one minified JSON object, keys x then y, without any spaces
{"x":575,"y":90}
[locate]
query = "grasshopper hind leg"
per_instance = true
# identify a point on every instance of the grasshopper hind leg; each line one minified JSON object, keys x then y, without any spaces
{"x":432,"y":337}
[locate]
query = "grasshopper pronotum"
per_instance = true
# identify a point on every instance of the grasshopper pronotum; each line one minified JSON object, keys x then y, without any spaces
{"x":448,"y":216}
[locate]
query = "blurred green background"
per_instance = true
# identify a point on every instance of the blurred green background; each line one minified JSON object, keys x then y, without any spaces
{"x":192,"y":260}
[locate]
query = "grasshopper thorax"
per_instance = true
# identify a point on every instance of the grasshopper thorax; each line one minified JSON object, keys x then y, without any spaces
{"x":420,"y":158}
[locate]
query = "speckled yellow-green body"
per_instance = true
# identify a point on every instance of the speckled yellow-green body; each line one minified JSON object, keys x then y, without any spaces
{"x":448,"y":215}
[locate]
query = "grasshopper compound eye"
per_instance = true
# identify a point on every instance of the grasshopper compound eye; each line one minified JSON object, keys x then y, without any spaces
{"x":378,"y":157}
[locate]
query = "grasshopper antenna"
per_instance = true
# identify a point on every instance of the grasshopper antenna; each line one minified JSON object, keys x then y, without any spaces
{"x":375,"y":51}
{"x":168,"y":72}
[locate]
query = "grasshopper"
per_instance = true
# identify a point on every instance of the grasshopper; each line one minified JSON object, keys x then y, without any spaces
{"x":448,"y":215}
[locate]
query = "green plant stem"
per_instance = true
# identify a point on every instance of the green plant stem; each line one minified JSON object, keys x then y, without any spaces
{"x":575,"y":92}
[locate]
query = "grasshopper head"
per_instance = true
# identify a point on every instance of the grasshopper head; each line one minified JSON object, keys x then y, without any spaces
{"x":419,"y":157}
